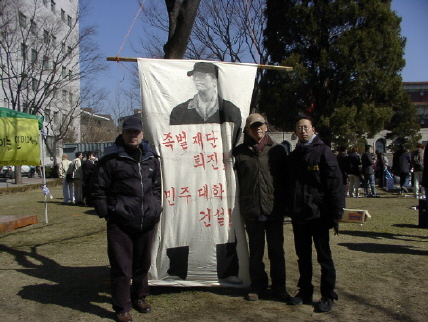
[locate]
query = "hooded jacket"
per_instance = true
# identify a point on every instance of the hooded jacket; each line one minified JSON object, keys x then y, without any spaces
{"x":260,"y":178}
{"x":314,"y":188}
{"x":125,"y":191}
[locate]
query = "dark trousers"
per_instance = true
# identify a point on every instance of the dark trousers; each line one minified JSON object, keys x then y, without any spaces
{"x":129,"y":253}
{"x":274,"y":233}
{"x":317,"y":232}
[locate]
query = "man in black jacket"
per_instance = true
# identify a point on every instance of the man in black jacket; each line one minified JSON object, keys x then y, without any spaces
{"x":126,"y":191}
{"x":315,"y":203}
{"x":261,"y":186}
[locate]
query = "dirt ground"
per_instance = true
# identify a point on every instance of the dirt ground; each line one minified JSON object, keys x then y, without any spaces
{"x":59,"y":271}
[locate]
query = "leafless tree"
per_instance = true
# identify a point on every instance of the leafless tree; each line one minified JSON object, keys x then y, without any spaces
{"x":40,"y":54}
{"x":224,"y":30}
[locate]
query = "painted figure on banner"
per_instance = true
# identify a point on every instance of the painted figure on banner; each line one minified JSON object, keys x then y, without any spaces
{"x":207,"y":106}
{"x":201,"y":237}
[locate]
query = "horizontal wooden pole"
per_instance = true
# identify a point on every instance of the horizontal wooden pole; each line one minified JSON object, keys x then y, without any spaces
{"x":273,"y":67}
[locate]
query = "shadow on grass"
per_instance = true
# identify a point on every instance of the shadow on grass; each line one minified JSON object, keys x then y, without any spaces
{"x":227,"y":291}
{"x":77,"y":288}
{"x":384,"y":248}
{"x":377,"y":235}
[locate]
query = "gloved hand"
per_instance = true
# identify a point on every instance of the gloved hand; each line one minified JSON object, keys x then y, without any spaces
{"x":336,"y":226}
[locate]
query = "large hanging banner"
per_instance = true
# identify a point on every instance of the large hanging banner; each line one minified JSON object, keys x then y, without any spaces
{"x":193,"y":113}
{"x":19,"y":138}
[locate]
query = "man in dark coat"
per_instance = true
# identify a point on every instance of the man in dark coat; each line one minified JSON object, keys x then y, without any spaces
{"x":401,"y":161}
{"x":367,"y":163}
{"x":88,"y":167}
{"x":259,"y":168}
{"x":315,"y":203}
{"x":126,"y":191}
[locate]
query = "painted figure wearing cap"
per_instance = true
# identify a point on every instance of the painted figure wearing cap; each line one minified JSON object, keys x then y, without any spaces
{"x":126,"y":191}
{"x":260,"y":170}
{"x":206,"y":106}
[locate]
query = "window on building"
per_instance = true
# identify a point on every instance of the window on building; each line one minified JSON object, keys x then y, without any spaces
{"x":45,"y":2}
{"x":24,"y":51}
{"x":64,"y":72}
{"x":34,"y":84}
{"x":62,"y":48}
{"x":46,"y":36}
{"x":47,"y":114}
{"x":33,"y":27}
{"x":71,"y":98}
{"x":45,"y":62}
{"x":56,"y":117}
{"x":69,"y":50}
{"x":53,"y":5}
{"x":64,"y":95}
{"x":22,"y":20}
{"x":70,"y":74}
{"x":25,"y":107}
{"x":62,"y":15}
{"x":33,"y":56}
{"x":53,"y":39}
{"x":69,"y":21}
{"x":54,"y":66}
{"x":24,"y":83}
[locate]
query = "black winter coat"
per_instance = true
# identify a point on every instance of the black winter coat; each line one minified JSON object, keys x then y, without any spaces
{"x":261,"y":180}
{"x":125,"y":191}
{"x":314,"y":184}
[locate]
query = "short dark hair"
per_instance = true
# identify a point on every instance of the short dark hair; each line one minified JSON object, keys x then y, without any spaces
{"x":304,"y":117}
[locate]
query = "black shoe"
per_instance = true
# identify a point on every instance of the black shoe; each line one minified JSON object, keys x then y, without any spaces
{"x":142,"y":306}
{"x":324,"y":305}
{"x":305,"y":298}
{"x":123,"y":317}
{"x":283,"y":296}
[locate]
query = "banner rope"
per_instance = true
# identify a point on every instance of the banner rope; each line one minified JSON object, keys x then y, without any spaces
{"x":117,"y":58}
{"x":130,"y":28}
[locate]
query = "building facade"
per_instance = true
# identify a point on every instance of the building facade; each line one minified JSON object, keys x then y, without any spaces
{"x":39,"y":61}
{"x":418,"y":93}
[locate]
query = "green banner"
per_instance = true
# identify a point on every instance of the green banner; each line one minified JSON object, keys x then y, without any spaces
{"x":19,"y":138}
{"x":6,"y":112}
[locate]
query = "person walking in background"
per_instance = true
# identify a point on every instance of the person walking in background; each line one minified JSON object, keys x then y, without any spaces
{"x":315,"y":201}
{"x":88,"y":167}
{"x":381,"y":165}
{"x":127,"y":192}
{"x":259,"y":168}
{"x":401,"y":167}
{"x":368,"y":162}
{"x":65,"y":173}
{"x":417,"y":165}
{"x":342,"y":160}
{"x":77,"y":178}
{"x":354,"y":173}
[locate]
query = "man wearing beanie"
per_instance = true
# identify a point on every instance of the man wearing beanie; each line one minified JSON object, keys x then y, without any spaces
{"x":126,"y":191}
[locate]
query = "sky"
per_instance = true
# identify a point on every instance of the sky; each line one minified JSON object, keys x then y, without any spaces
{"x":114,"y":19}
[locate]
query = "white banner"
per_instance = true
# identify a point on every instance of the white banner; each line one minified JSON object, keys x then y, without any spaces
{"x":192,"y":113}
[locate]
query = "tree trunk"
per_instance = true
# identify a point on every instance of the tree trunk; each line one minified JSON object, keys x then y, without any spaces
{"x":181,"y":15}
{"x":18,"y":175}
